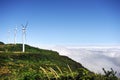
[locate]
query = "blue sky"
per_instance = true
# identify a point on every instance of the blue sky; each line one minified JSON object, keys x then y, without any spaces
{"x":62,"y":22}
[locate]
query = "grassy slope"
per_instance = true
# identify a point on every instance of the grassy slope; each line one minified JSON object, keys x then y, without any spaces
{"x":13,"y":62}
{"x":36,"y":55}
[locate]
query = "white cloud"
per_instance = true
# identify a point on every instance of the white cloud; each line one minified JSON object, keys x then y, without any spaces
{"x":93,"y":58}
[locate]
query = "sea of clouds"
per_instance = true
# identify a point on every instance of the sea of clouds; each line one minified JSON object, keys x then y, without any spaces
{"x":93,"y":58}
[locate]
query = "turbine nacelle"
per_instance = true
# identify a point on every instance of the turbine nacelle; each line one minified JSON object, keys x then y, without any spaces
{"x":24,"y":27}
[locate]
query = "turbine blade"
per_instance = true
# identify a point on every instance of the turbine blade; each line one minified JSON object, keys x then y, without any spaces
{"x":16,"y":28}
{"x":26,"y":25}
{"x":22,"y":25}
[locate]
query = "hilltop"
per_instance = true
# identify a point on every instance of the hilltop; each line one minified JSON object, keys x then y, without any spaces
{"x":12,"y":60}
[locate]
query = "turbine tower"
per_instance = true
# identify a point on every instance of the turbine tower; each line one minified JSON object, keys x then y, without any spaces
{"x":15,"y":32}
{"x":24,"y":35}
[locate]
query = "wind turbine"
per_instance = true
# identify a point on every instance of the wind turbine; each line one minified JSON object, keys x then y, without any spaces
{"x":9,"y":36}
{"x":15,"y":32}
{"x":24,"y":35}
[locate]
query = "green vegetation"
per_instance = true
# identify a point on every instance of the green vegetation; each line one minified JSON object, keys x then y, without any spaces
{"x":40,"y":64}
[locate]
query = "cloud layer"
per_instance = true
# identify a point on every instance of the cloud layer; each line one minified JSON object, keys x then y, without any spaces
{"x":93,"y":58}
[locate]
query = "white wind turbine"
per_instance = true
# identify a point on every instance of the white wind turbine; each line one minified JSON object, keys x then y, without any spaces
{"x":9,"y":36}
{"x":24,"y":35}
{"x":15,"y":32}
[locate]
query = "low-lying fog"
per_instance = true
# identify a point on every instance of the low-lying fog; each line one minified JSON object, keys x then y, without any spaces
{"x":93,"y":58}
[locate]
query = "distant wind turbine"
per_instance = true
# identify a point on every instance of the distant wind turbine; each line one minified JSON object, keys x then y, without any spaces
{"x":15,"y":32}
{"x":8,"y":36}
{"x":24,"y":35}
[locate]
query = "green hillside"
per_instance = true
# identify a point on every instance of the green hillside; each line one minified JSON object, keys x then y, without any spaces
{"x":40,"y":64}
{"x":32,"y":54}
{"x":12,"y":60}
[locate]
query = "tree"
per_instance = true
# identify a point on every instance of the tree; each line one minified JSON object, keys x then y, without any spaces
{"x":1,"y":43}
